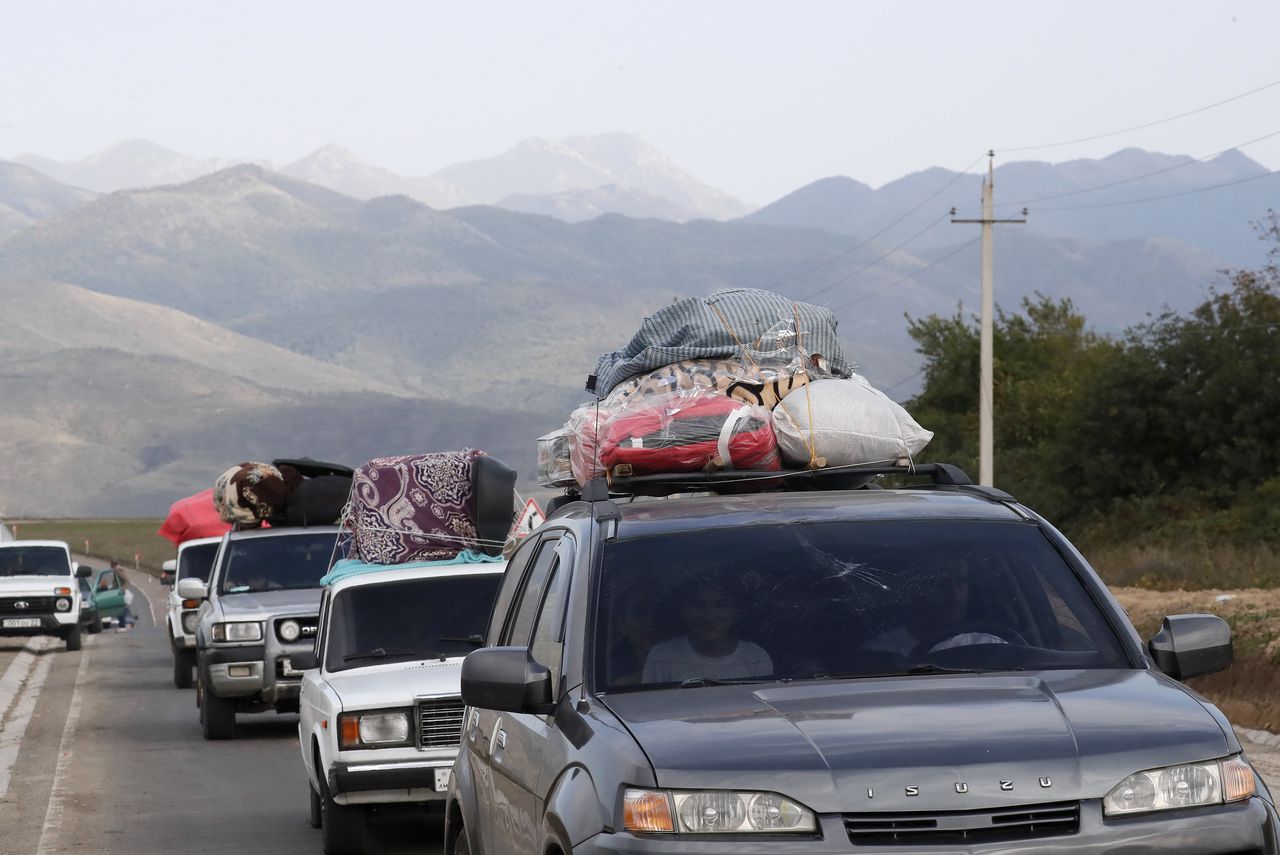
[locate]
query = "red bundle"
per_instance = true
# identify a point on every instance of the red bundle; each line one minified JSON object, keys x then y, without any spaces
{"x":690,"y":433}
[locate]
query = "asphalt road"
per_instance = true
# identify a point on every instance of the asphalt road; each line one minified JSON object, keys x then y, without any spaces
{"x":99,"y":753}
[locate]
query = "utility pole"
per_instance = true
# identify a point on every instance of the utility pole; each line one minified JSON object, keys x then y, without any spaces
{"x":986,"y":386}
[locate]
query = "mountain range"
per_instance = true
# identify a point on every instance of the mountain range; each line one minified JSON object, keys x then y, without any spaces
{"x":151,"y":337}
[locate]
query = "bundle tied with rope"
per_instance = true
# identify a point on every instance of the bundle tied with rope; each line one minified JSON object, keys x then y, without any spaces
{"x":742,"y":380}
{"x":429,"y":507}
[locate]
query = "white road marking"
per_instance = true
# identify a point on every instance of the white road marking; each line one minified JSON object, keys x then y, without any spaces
{"x":16,"y":674}
{"x":151,"y":609}
{"x":16,"y":727}
{"x":57,"y":794}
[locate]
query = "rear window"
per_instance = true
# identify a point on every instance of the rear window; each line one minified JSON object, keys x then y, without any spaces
{"x":34,"y":561}
{"x":288,"y":562}
{"x":431,"y":618}
{"x":195,"y":562}
{"x":831,"y":601}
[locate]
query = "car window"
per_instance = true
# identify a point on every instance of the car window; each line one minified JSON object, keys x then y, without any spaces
{"x":825,"y":601}
{"x":285,"y":562}
{"x":195,"y":562}
{"x":108,"y":581}
{"x":548,"y":634}
{"x":520,"y":626}
{"x":435,"y":617}
{"x":512,"y":579}
{"x":34,"y":561}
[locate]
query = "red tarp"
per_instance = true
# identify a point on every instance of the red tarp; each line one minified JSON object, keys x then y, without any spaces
{"x":192,"y":517}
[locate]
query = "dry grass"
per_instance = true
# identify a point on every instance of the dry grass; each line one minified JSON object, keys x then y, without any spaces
{"x":1188,"y":567}
{"x":1249,"y":691}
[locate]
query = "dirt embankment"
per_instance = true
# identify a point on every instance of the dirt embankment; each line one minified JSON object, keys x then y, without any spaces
{"x":1249,"y":691}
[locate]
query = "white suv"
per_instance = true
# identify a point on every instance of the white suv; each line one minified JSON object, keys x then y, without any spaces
{"x":194,"y":561}
{"x":381,"y":708}
{"x":39,"y":594}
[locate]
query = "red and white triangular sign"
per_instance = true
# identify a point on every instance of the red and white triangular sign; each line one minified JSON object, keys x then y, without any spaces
{"x":530,"y":518}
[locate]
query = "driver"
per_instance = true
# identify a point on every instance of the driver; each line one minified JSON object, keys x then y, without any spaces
{"x":941,"y":600}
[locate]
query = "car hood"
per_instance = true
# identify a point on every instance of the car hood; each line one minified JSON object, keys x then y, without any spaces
{"x":397,"y":684}
{"x":859,"y":745}
{"x":265,"y":604}
{"x":34,"y":586}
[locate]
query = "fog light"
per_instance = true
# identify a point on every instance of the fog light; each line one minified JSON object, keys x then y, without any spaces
{"x":289,"y":630}
{"x":62,"y":604}
{"x":239,"y":671}
{"x":189,"y":622}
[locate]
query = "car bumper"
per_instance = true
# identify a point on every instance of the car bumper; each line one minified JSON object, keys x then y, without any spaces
{"x":251,"y":671}
{"x":1246,"y":829}
{"x":376,"y":782}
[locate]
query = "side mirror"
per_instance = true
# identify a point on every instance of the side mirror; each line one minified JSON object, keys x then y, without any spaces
{"x":506,"y":679}
{"x":304,"y":661}
{"x":167,"y":571}
{"x":192,"y":589}
{"x":83,"y":571}
{"x":1189,"y":645}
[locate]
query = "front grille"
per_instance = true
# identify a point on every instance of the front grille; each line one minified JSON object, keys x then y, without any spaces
{"x":439,"y":722}
{"x":34,"y":606}
{"x":1024,"y":822}
{"x":308,"y":626}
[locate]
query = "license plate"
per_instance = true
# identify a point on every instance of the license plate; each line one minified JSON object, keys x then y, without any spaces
{"x":21,"y":623}
{"x":286,"y":668}
{"x":442,"y":779}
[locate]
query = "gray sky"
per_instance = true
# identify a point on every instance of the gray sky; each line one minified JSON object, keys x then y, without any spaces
{"x":754,"y":98}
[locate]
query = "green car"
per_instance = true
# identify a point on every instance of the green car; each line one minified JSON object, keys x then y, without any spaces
{"x":90,"y":619}
{"x":108,"y":592}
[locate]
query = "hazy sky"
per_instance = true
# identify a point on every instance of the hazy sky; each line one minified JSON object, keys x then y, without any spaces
{"x":754,"y":98}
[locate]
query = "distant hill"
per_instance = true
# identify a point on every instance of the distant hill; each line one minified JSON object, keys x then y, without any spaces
{"x":27,"y":196}
{"x":158,"y":335}
{"x":576,"y":206}
{"x":130,"y":164}
{"x":1210,"y":220}
{"x":340,"y":169}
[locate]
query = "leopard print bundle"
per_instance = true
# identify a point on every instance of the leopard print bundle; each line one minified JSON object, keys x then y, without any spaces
{"x":762,"y":384}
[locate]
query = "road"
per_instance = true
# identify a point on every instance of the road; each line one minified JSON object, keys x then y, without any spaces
{"x":99,"y":753}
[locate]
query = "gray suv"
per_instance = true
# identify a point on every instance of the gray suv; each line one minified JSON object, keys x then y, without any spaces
{"x":260,"y":607}
{"x":922,"y":669}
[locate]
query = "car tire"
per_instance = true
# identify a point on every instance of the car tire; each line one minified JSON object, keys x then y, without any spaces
{"x":316,"y":816}
{"x":217,"y":715}
{"x":72,"y":635}
{"x":183,"y":664}
{"x":95,"y":624}
{"x":341,"y":826}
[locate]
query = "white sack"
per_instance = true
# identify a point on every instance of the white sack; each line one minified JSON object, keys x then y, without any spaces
{"x":853,"y":423}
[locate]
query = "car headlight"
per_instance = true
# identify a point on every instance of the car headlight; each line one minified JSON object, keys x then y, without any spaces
{"x":713,"y":812}
{"x":189,"y":621}
{"x":62,"y":604}
{"x":1189,"y":785}
{"x":289,"y":630}
{"x":381,"y":729}
{"x":238,"y":631}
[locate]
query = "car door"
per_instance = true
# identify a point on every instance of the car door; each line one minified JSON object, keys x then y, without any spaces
{"x":521,"y":738}
{"x":109,"y":594}
{"x":528,"y":565}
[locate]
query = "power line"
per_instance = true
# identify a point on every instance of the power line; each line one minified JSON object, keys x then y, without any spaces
{"x":877,"y":292}
{"x":1131,"y":179}
{"x":1158,"y":198}
{"x":1145,"y":124}
{"x":958,"y":175}
{"x":872,"y":264}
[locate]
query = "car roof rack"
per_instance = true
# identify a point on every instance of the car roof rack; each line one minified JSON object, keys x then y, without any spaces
{"x":740,"y":481}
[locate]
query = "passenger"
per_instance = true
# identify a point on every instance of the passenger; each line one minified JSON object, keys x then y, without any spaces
{"x":711,"y":649}
{"x":127,"y":618}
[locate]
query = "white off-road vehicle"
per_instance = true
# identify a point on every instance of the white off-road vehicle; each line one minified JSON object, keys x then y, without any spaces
{"x":381,"y":708}
{"x":194,"y":561}
{"x":39,"y":594}
{"x":260,"y":608}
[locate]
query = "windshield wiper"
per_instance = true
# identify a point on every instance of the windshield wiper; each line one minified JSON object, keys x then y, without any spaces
{"x":699,"y":682}
{"x":930,"y":668}
{"x":476,"y":640}
{"x":377,"y":653}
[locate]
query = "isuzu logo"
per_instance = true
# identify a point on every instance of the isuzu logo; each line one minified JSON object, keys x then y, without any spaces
{"x":21,"y":604}
{"x":962,"y":787}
